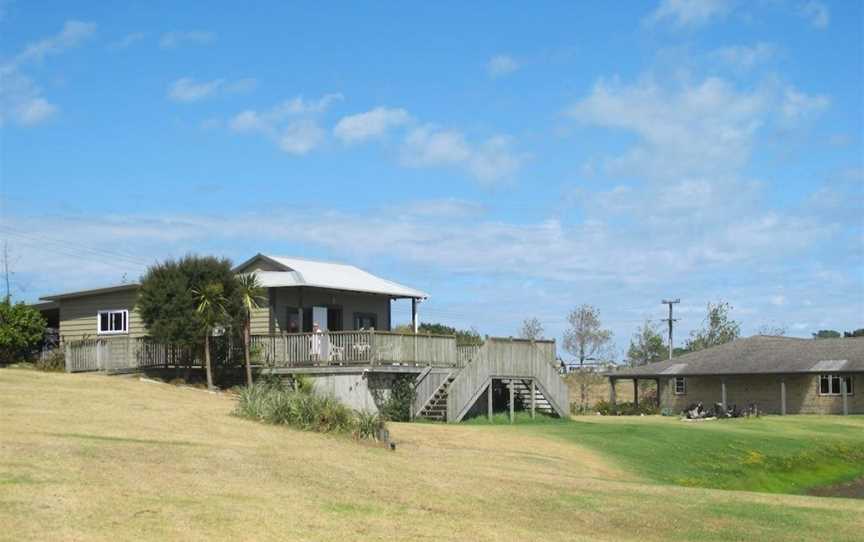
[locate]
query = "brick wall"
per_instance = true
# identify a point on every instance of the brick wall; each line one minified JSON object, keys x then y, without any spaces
{"x":802,"y":394}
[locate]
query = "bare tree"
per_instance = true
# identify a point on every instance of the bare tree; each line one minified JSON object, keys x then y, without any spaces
{"x":586,"y":338}
{"x":771,"y":330}
{"x":531,"y":329}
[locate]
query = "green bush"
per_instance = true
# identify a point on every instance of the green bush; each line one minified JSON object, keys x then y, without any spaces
{"x":22,"y":329}
{"x":55,"y":361}
{"x":626,"y":408}
{"x":400,"y":400}
{"x":276,"y":404}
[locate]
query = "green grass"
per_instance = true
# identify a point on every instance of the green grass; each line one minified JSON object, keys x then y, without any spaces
{"x":770,"y":454}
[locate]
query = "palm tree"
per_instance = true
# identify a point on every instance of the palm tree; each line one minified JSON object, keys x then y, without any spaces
{"x":251,"y":294}
{"x":210,"y":303}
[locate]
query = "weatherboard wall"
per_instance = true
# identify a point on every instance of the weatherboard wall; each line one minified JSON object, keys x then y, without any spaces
{"x":79,"y":316}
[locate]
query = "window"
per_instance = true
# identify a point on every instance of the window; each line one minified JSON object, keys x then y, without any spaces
{"x":830,"y":385}
{"x":365,"y":320}
{"x":111,"y":322}
{"x":680,"y":385}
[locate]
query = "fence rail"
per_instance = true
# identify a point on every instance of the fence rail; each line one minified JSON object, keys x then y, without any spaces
{"x":335,"y":348}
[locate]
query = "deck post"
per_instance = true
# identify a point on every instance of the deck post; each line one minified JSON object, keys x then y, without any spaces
{"x":635,"y":392}
{"x":845,"y":395}
{"x":723,"y":393}
{"x":512,"y":403}
{"x":533,"y":397}
{"x":782,"y":396}
{"x":658,"y":392}
{"x":489,"y":399}
{"x":612,"y":391}
{"x":415,"y":321}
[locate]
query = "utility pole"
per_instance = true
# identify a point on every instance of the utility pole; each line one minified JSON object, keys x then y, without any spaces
{"x":6,"y":270}
{"x":671,"y":320}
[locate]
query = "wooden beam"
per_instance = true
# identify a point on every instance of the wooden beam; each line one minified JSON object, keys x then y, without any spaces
{"x":845,"y":395}
{"x":782,"y":396}
{"x":612,"y":391}
{"x":512,"y":403}
{"x":658,"y":392}
{"x":723,"y":393}
{"x":636,"y":392}
{"x":533,"y":398}
{"x":489,"y":398}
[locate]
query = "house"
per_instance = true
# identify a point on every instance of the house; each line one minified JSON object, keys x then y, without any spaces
{"x":779,"y":375}
{"x":352,"y":354}
{"x":338,"y":297}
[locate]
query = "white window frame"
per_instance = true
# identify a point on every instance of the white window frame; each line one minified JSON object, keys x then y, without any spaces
{"x":831,"y":379}
{"x":683,"y":381}
{"x":111,"y":312}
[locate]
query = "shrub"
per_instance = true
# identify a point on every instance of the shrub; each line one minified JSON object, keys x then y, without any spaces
{"x":22,"y":329}
{"x":304,"y":410}
{"x":400,"y":400}
{"x":53,"y":361}
{"x":626,"y":408}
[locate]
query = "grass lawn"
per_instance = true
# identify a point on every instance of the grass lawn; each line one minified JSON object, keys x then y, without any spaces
{"x":112,"y":458}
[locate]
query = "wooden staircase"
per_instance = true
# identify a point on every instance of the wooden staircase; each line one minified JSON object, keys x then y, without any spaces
{"x":436,"y":408}
{"x":522,"y":390}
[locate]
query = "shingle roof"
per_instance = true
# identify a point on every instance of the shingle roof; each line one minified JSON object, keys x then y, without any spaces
{"x":336,"y":276}
{"x":761,"y":355}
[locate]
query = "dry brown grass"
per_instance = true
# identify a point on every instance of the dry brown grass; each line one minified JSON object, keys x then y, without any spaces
{"x":87,"y":457}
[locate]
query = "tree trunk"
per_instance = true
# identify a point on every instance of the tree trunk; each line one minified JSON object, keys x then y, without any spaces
{"x":246,"y":340}
{"x":207,"y":361}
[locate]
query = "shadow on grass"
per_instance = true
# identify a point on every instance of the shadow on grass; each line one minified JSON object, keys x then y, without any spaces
{"x":122,"y":439}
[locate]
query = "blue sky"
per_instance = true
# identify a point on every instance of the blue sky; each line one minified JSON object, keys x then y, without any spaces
{"x":511,"y":161}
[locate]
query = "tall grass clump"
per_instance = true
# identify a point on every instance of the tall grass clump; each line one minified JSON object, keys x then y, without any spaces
{"x":298,"y":407}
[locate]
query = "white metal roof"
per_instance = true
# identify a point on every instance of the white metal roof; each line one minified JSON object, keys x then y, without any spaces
{"x":336,"y":276}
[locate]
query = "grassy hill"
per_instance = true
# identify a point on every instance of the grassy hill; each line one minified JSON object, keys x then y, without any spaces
{"x":108,"y":458}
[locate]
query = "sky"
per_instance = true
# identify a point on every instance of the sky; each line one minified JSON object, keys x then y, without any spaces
{"x":512,"y":160}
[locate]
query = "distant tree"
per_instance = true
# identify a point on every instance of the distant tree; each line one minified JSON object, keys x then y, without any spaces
{"x":586,"y":338}
{"x":464,"y":337}
{"x":827,"y":334}
{"x":210,"y":306}
{"x":772,"y":331}
{"x":717,"y":328}
{"x":22,"y":329}
{"x":168,"y":306}
{"x":856,"y":333}
{"x":531,"y":329}
{"x":646,"y":346}
{"x":252,"y":295}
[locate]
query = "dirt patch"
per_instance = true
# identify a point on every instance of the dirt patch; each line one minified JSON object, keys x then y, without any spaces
{"x":849,"y":490}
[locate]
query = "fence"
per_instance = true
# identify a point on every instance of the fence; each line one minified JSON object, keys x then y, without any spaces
{"x":117,"y":354}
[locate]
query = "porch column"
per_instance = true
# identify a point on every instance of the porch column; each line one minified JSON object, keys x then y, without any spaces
{"x":636,"y":392}
{"x":512,"y":403}
{"x":415,"y":316}
{"x":782,"y":396}
{"x":658,"y":392}
{"x":489,"y":399}
{"x":612,"y":391}
{"x":845,"y":395}
{"x":723,"y":393}
{"x":533,"y":397}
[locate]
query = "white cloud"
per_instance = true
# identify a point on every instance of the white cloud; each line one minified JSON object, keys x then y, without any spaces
{"x":173,"y":40}
{"x":745,"y":57}
{"x":21,"y":99}
{"x":491,"y":160}
{"x":300,"y":137}
{"x":778,"y":300}
{"x":689,"y":13}
{"x":817,"y":13}
{"x":72,"y":34}
{"x":126,"y":41}
{"x":704,"y":128}
{"x":187,"y":89}
{"x":500,"y":65}
{"x":241,"y":86}
{"x":288,"y":124}
{"x":797,"y":105}
{"x":371,"y":124}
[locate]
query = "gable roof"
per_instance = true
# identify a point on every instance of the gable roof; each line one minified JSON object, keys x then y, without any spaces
{"x":760,"y":355}
{"x":96,"y":291}
{"x":318,"y":274}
